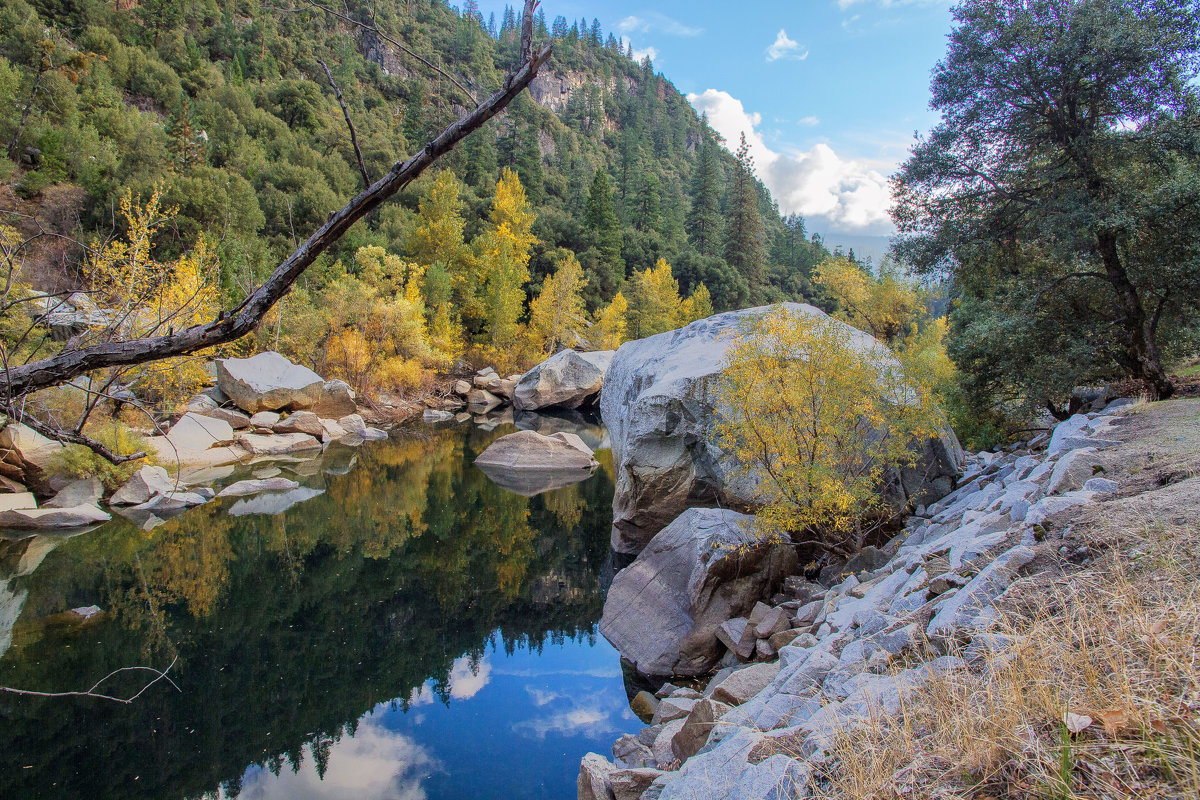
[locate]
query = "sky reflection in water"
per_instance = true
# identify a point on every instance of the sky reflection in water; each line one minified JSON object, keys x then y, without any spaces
{"x":412,"y":631}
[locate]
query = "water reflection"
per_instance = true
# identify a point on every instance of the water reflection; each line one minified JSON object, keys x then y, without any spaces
{"x":402,"y":628}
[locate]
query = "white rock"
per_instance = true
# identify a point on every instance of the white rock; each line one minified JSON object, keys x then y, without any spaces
{"x":277,"y":444}
{"x":568,"y":379}
{"x":197,"y":432}
{"x":52,"y":518}
{"x":242,"y":488}
{"x":142,"y":485}
{"x":268,"y":382}
{"x":17,"y":501}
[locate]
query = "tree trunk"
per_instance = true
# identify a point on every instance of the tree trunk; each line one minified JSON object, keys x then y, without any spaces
{"x":1144,"y":352}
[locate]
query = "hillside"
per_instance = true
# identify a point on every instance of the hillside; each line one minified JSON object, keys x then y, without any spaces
{"x":228,"y":108}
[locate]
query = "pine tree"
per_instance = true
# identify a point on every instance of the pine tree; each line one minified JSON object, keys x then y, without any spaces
{"x":481,"y":164}
{"x":596,"y":33}
{"x":745,"y":248}
{"x":528,"y":162}
{"x":559,"y":29}
{"x":647,"y":211}
{"x":705,"y":222}
{"x":604,"y":233}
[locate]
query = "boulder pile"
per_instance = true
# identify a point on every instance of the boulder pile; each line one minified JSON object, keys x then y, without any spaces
{"x":818,"y":658}
{"x":567,"y":380}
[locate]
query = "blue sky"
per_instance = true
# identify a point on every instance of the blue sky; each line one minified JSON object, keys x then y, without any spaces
{"x":829,"y":91}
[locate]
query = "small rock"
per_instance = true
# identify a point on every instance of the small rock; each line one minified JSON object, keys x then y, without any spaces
{"x":772,"y":622}
{"x":697,"y":727}
{"x":672,"y":708}
{"x":278,"y":444}
{"x":142,"y":485}
{"x":783,"y":639}
{"x":86,"y":491}
{"x":664,"y":755}
{"x":594,"y":771}
{"x":462,"y":388}
{"x":644,"y":705}
{"x":631,"y":784}
{"x":631,"y":752}
{"x":300,"y":422}
{"x":744,"y":683}
{"x":1101,"y":486}
{"x":353,"y":423}
{"x":265,"y":419}
{"x":738,"y":636}
{"x":236,"y":419}
{"x":87,"y":612}
{"x":433,"y":416}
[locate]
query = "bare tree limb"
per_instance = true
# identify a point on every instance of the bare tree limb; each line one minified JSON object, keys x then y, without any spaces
{"x":69,"y":437}
{"x":362,"y":167}
{"x":232,"y":325}
{"x":159,"y":676}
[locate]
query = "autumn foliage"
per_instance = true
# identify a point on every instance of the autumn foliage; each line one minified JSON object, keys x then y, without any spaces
{"x":819,"y":414}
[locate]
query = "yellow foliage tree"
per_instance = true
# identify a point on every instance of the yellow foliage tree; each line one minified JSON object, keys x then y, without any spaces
{"x":558,"y":316}
{"x":697,"y":306}
{"x":887,"y":306}
{"x":819,"y":421}
{"x":503,"y":256}
{"x":654,"y":303}
{"x":608,"y":330}
{"x":140,"y":296}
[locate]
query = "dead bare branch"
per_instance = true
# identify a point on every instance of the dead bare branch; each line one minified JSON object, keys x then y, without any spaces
{"x":362,"y":167}
{"x":159,"y":676}
{"x":62,"y":367}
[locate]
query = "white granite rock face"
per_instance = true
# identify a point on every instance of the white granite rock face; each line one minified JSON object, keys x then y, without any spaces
{"x":269,"y":382}
{"x":660,"y":406}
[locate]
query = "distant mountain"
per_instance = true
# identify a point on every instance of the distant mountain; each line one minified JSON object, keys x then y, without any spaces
{"x":227,"y":105}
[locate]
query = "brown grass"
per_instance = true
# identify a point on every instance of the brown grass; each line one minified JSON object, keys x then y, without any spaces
{"x":1118,"y":642}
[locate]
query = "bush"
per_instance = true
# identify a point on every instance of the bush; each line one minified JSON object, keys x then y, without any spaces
{"x":820,"y":422}
{"x":77,"y":461}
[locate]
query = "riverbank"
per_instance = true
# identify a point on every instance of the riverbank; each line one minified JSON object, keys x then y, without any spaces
{"x":972,"y":621}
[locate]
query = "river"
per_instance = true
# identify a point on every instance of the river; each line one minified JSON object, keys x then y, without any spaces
{"x":411,"y":631}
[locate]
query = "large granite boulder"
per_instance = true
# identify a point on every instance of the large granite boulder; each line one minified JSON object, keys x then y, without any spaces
{"x":269,"y":382}
{"x":565,"y":380}
{"x":526,"y":450}
{"x":708,"y":566}
{"x":660,"y":406}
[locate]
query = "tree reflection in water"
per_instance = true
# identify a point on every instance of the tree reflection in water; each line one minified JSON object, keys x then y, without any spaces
{"x":288,"y":628}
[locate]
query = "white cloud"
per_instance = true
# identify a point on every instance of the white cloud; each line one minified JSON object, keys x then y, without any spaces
{"x":645,"y":52}
{"x":852,"y":195}
{"x":657,"y":22}
{"x":374,"y":764}
{"x":809,"y":122}
{"x":783,"y":47}
{"x":467,"y":679}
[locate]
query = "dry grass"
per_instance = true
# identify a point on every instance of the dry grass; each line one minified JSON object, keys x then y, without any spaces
{"x":1118,"y":642}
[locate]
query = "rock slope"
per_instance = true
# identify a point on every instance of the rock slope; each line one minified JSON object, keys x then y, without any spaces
{"x":831,"y":657}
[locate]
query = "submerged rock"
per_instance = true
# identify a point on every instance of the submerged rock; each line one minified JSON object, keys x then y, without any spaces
{"x":565,"y":380}
{"x":663,"y":611}
{"x":660,"y":405}
{"x":52,"y":518}
{"x":242,"y":488}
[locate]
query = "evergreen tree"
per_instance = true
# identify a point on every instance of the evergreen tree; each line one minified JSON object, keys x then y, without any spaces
{"x":596,"y":33}
{"x":481,"y":161}
{"x":559,"y":29}
{"x":647,"y":210}
{"x":745,"y":248}
{"x":604,"y":233}
{"x":705,"y":222}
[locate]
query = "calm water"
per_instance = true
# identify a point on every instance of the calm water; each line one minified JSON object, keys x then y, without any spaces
{"x":413,"y":631}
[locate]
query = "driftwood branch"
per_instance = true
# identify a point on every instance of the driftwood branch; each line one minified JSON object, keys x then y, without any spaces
{"x":72,"y":437}
{"x":362,"y":167}
{"x":159,"y":676}
{"x":234,"y":324}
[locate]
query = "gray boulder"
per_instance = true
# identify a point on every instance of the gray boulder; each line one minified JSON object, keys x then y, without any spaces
{"x":301,"y":422}
{"x":594,"y":772}
{"x":269,"y":382}
{"x":52,"y":518}
{"x":336,"y":401}
{"x":660,"y":405}
{"x":142,"y":485}
{"x":83,"y":492}
{"x":709,"y":565}
{"x":526,"y":450}
{"x":565,"y":380}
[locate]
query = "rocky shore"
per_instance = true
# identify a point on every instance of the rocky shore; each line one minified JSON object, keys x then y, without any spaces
{"x":822,"y":656}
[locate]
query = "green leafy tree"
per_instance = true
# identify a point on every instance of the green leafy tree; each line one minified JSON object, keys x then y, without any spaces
{"x":1062,"y":191}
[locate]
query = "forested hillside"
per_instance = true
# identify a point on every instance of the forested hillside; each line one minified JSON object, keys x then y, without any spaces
{"x":224,"y":113}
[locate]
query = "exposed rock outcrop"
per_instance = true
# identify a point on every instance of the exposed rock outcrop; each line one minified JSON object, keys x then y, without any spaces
{"x":660,"y":406}
{"x":663,"y":611}
{"x":568,"y":379}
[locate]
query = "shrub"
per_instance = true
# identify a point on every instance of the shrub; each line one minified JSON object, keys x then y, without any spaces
{"x":76,"y":461}
{"x":820,"y":420}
